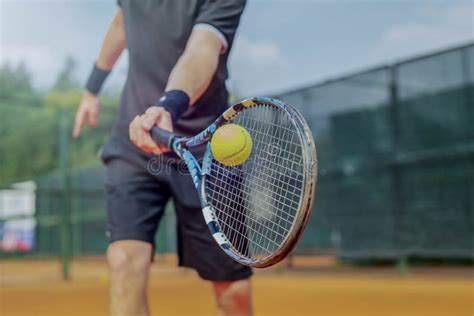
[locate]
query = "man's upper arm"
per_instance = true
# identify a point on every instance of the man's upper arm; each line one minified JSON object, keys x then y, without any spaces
{"x":220,"y":18}
{"x":202,"y":39}
{"x":118,"y":19}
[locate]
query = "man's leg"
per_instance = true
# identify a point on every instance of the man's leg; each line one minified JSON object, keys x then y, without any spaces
{"x":233,"y":298}
{"x":129,"y":264}
{"x":135,"y":205}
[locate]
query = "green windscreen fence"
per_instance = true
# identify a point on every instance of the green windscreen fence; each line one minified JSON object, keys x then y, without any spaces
{"x":396,"y":167}
{"x":396,"y":158}
{"x":86,"y":212}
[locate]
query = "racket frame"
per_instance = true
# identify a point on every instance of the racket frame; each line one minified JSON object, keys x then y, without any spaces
{"x":181,"y":146}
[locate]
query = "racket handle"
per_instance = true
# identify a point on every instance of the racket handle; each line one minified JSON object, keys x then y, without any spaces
{"x":162,"y":136}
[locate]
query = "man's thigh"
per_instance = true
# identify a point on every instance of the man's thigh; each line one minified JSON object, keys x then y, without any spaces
{"x":135,"y":202}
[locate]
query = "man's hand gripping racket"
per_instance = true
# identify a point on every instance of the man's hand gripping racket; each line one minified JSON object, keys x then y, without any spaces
{"x":256,"y":210}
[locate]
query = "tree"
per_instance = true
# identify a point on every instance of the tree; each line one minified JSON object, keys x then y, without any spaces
{"x":66,"y":92}
{"x":14,"y":81}
{"x":66,"y":81}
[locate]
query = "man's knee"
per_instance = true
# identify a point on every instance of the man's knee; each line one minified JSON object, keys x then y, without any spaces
{"x":129,"y":256}
{"x":234,"y":296}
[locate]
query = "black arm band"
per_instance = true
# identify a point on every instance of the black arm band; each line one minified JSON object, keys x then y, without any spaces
{"x":176,"y":102}
{"x":96,"y":80}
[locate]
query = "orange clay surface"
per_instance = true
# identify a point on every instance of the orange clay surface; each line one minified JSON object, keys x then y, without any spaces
{"x":34,"y":288}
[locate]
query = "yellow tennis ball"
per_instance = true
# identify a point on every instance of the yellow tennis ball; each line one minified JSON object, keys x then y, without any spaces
{"x":231,"y":145}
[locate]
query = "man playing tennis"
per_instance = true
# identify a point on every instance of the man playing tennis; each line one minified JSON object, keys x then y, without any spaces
{"x":178,"y":53}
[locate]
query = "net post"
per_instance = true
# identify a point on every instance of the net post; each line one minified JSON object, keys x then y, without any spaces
{"x":64,"y":226}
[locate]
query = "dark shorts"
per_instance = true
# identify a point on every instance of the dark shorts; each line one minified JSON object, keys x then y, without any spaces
{"x":136,"y":200}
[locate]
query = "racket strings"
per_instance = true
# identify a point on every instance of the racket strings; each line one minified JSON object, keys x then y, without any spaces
{"x":228,"y":219}
{"x":291,"y":156}
{"x":255,"y":234}
{"x":266,"y":192}
{"x":257,"y":202}
{"x":257,"y":216}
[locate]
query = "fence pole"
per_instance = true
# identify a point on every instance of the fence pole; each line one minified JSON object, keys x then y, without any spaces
{"x":465,"y":65}
{"x":64,"y":228}
{"x":397,"y":213}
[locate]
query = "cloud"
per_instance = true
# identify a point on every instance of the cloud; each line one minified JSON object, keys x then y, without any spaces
{"x":43,"y":62}
{"x":436,"y":27}
{"x":256,"y":66}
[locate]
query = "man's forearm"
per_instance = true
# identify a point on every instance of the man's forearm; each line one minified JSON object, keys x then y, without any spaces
{"x":114,"y":43}
{"x":196,"y":67}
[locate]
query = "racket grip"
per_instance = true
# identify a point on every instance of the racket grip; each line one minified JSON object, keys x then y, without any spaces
{"x":162,"y":136}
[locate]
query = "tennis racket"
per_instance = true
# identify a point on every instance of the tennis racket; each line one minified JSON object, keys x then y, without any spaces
{"x":258,"y":210}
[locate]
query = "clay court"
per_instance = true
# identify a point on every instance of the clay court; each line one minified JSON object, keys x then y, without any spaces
{"x":35,"y":288}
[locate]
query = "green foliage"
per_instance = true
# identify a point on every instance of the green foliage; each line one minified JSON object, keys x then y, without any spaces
{"x":66,"y":80}
{"x":14,"y":80}
{"x":62,"y":99}
{"x":15,"y":86}
{"x":27,"y":146}
{"x":30,"y":129}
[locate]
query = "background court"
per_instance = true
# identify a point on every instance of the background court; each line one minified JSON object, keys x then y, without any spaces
{"x":35,"y":288}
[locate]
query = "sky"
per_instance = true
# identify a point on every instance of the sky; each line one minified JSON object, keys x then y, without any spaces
{"x":280,"y":45}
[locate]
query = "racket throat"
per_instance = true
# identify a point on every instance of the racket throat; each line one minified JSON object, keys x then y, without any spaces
{"x":193,"y":168}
